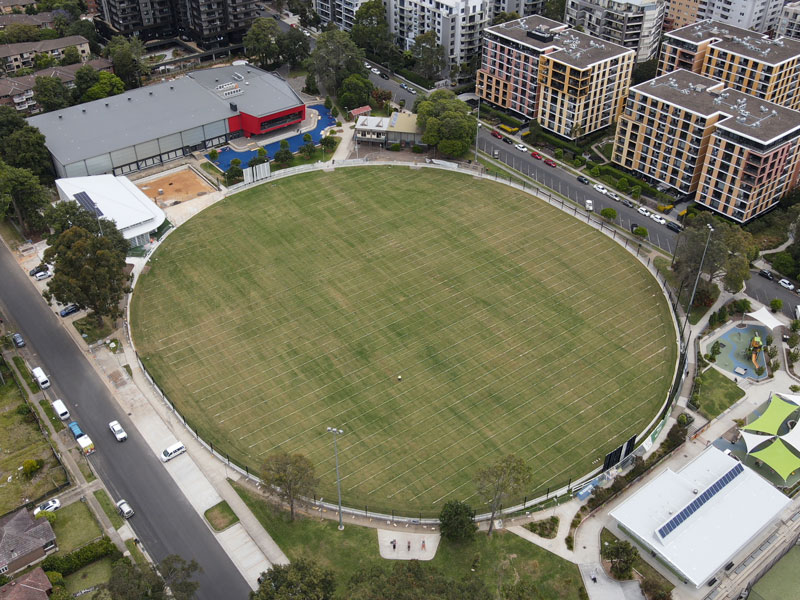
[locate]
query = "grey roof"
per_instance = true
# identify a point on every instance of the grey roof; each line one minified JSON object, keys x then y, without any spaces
{"x":11,"y":86}
{"x":581,"y":50}
{"x":534,"y":31}
{"x":739,"y":41}
{"x":42,"y":46}
{"x":144,"y":114}
{"x":21,"y":534}
{"x":746,"y":115}
{"x":42,"y":18}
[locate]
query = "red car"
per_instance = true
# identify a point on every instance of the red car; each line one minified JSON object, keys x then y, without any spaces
{"x":550,"y":162}
{"x":497,"y":135}
{"x":536,"y":155}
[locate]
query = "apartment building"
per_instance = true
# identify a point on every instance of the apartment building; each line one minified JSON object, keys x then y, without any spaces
{"x":15,"y":6}
{"x":789,"y":21}
{"x":340,"y":12}
{"x":735,"y":153}
{"x":14,"y":57}
{"x":679,"y":13}
{"x":209,"y":23}
{"x":42,"y":20}
{"x":634,"y":24}
{"x":758,"y":15}
{"x":768,"y":69}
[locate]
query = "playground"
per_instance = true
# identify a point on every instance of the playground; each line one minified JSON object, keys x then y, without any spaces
{"x":742,"y":351}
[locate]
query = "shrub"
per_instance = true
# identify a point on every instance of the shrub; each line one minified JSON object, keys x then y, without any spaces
{"x":795,"y":388}
{"x":394,"y":148}
{"x":578,"y":162}
{"x":415,"y":78}
{"x":795,"y":325}
{"x":546,"y":529}
{"x":559,"y":154}
{"x":335,"y":112}
{"x":655,"y":590}
{"x":776,"y":304}
{"x":623,"y":185}
{"x":338,"y":123}
{"x":595,"y":172}
{"x":457,"y":522}
{"x":759,"y":371}
{"x":770,"y":339}
{"x":636,"y":192}
{"x":72,"y":562}
{"x":31,"y":466}
{"x":772,"y":351}
{"x":570,"y":541}
{"x":213,"y":155}
{"x":575,"y":522}
{"x":609,"y":214}
{"x":55,"y":578}
{"x":328,"y":102}
{"x":417,"y":149}
{"x":741,"y":306}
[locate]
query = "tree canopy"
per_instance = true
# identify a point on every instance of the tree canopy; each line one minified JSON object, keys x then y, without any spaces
{"x":107,"y":84}
{"x":261,"y":41}
{"x":334,"y":59}
{"x":301,"y":580}
{"x":23,"y":197}
{"x":294,"y":46}
{"x":355,"y":91}
{"x":497,"y":483}
{"x":429,"y":55}
{"x":63,"y":215}
{"x":456,"y":522}
{"x":171,"y":580}
{"x":370,"y":29}
{"x":291,"y":476}
{"x":127,"y":56}
{"x":50,"y":93}
{"x":446,"y":123}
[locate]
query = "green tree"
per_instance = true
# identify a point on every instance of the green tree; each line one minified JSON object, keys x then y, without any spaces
{"x":86,"y":29}
{"x":636,"y":192}
{"x":776,"y":304}
{"x":128,"y":58}
{"x":291,"y":476}
{"x":456,"y":522}
{"x":71,"y":56}
{"x":555,"y":9}
{"x":413,"y":580}
{"x":88,"y":272}
{"x":50,"y":93}
{"x":640,"y":232}
{"x":293,"y":46}
{"x":429,"y":55}
{"x":310,"y":86}
{"x":284,"y":156}
{"x":172,"y":579}
{"x":63,"y":215}
{"x":24,"y":196}
{"x":10,"y":121}
{"x":621,"y":555}
{"x":503,"y":17}
{"x":234,"y":174}
{"x":213,"y":154}
{"x":17,"y":34}
{"x":107,"y":85}
{"x":25,"y":149}
{"x":609,"y":214}
{"x":85,"y":78}
{"x":784,"y":263}
{"x":334,"y":59}
{"x":370,"y":29}
{"x":623,"y":185}
{"x":43,"y":61}
{"x":261,"y":42}
{"x":505,"y":479}
{"x":328,"y":143}
{"x":736,"y":272}
{"x":303,"y":579}
{"x":177,"y":575}
{"x":446,"y":123}
{"x":355,"y":91}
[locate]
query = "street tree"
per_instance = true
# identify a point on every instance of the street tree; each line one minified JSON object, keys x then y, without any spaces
{"x":88,"y":271}
{"x":413,"y":580}
{"x":303,"y":579}
{"x":608,"y":213}
{"x":429,"y":55}
{"x":621,"y":555}
{"x":505,"y":479}
{"x":776,"y":304}
{"x":50,"y":93}
{"x":370,"y":29}
{"x":334,"y":59}
{"x":293,"y":47}
{"x":71,"y":56}
{"x":446,"y":123}
{"x":23,"y":196}
{"x":291,"y":476}
{"x":355,"y":91}
{"x":457,"y":522}
{"x":261,"y":42}
{"x":640,"y":232}
{"x":170,"y":580}
{"x":25,"y":148}
{"x":63,"y":215}
{"x":107,"y":84}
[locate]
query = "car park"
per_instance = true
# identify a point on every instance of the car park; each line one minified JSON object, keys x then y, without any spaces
{"x":674,"y":226}
{"x":600,"y":188}
{"x":18,"y":341}
{"x":550,"y":162}
{"x":536,"y":155}
{"x":497,"y":134}
{"x":51,"y":505}
{"x":38,"y":269}
{"x":643,"y":211}
{"x":583,"y":180}
{"x":521,"y":147}
{"x":42,"y":275}
{"x":786,"y":284}
{"x":118,"y":431}
{"x":69,"y":310}
{"x":628,"y":203}
{"x":124,"y":509}
{"x":612,"y":195}
{"x":658,"y":219}
{"x":376,"y":71}
{"x":766,"y":274}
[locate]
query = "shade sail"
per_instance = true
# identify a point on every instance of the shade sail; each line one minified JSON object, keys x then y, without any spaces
{"x":779,"y":458}
{"x":764,"y":316}
{"x":794,"y":398}
{"x":793,"y":438}
{"x":754,"y":440}
{"x":773,"y":417}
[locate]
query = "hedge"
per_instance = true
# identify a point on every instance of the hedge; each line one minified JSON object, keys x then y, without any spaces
{"x":415,"y":78}
{"x":74,"y":561}
{"x":501,"y":116}
{"x":552,"y":140}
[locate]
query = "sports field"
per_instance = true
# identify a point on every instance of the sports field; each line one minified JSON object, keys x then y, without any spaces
{"x":296,"y":305}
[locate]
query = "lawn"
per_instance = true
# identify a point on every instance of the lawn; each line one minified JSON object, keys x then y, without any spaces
{"x":21,"y":440}
{"x":717,"y":393}
{"x":74,"y":527}
{"x":136,"y":553}
{"x":57,"y":423}
{"x":295,"y":305}
{"x":500,"y":558}
{"x":94,"y":574}
{"x":221,"y":516}
{"x":108,"y":507}
{"x":90,"y":331}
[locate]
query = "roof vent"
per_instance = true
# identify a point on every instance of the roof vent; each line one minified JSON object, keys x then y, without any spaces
{"x":234,"y":106}
{"x":60,"y":116}
{"x":694,"y":491}
{"x":129,"y":98}
{"x":171,"y":87}
{"x":83,"y":110}
{"x":151,"y":93}
{"x":106,"y":104}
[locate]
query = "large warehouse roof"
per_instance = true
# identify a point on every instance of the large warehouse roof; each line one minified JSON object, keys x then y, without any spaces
{"x":699,"y":518}
{"x":144,"y":114}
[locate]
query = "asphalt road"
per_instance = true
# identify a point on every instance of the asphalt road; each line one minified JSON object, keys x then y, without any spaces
{"x":764,"y":290}
{"x":565,"y":183}
{"x":164,"y":521}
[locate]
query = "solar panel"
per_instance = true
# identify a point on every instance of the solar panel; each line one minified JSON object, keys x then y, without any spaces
{"x":695,"y":504}
{"x":87,"y":203}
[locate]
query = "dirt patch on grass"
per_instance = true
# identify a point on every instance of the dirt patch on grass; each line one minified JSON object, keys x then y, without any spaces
{"x":176,"y":187}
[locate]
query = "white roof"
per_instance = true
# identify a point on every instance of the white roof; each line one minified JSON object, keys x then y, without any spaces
{"x":119,"y":201}
{"x":715,"y":532}
{"x":381,"y":123}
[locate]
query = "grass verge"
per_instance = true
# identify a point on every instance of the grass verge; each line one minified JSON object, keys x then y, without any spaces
{"x":494,"y":171}
{"x":221,"y":516}
{"x":83,"y":465}
{"x":717,"y":393}
{"x":136,"y":554}
{"x":10,"y":234}
{"x":57,"y":423}
{"x":75,"y":526}
{"x":89,"y":329}
{"x":213,"y":170}
{"x":109,"y":508}
{"x":19,"y":362}
{"x":640,"y":565}
{"x":499,"y":558}
{"x":94,"y":574}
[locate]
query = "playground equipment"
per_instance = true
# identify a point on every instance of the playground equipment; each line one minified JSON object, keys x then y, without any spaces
{"x":754,"y":348}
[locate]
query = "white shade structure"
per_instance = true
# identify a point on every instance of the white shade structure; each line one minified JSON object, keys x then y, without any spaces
{"x":754,"y":440}
{"x":765,"y":317}
{"x":792,"y":438}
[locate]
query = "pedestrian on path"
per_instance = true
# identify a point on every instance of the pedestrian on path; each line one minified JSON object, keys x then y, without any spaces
{"x":423,"y":545}
{"x":409,"y":545}
{"x":394,"y":544}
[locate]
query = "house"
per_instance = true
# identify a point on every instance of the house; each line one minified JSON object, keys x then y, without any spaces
{"x":31,"y":586}
{"x":24,"y":541}
{"x":400,"y":128}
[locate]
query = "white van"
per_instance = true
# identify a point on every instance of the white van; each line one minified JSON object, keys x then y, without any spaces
{"x":173,"y":451}
{"x":589,"y":204}
{"x":61,"y":410}
{"x":40,"y":378}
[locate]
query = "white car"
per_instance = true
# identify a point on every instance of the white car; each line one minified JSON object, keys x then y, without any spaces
{"x":787,"y":284}
{"x":118,"y":431}
{"x":521,"y":147}
{"x":643,"y":211}
{"x":124,"y":509}
{"x":612,"y":195}
{"x":658,"y":219}
{"x":600,"y":188}
{"x":49,"y":506}
{"x":42,"y":275}
{"x":367,"y":65}
{"x":412,"y":90}
{"x":376,"y":71}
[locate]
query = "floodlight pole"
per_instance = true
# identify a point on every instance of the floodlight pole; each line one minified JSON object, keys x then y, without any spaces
{"x":335,"y":433}
{"x":477,"y":130}
{"x":697,"y":279}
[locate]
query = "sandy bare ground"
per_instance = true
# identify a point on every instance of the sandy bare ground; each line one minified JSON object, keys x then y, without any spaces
{"x":177,"y":187}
